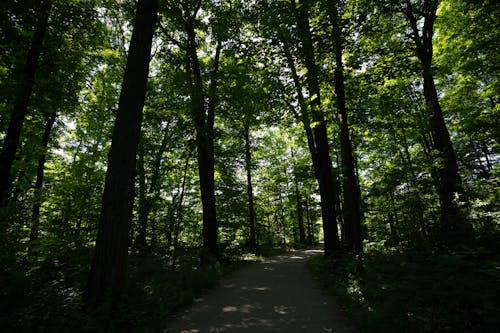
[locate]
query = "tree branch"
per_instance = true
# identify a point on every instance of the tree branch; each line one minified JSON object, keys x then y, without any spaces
{"x":172,"y":39}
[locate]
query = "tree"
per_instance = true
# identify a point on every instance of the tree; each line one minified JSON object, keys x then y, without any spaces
{"x":469,"y":79}
{"x":35,"y":218}
{"x":63,"y":67}
{"x":248,"y":167}
{"x":449,"y":186}
{"x":300,"y":215}
{"x":147,"y":196}
{"x":203,"y":103}
{"x":351,"y":192}
{"x":319,"y":146}
{"x":20,"y":108}
{"x":106,"y":279}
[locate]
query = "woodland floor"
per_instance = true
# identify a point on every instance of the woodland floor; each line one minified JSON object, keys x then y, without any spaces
{"x":277,"y":294}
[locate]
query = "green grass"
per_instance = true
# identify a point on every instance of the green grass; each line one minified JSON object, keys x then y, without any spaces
{"x":416,"y":291}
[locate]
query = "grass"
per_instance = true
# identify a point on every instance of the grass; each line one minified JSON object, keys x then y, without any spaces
{"x":416,"y":291}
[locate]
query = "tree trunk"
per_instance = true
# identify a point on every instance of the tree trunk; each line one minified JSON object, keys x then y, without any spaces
{"x":310,"y":227}
{"x":339,"y":202}
{"x":252,"y":242}
{"x":147,"y":197}
{"x":140,"y":240}
{"x":18,"y":113}
{"x":326,"y":181}
{"x":352,"y":206}
{"x":450,"y":180}
{"x":484,"y":149}
{"x":204,"y":124}
{"x":106,"y":279}
{"x":281,"y":219}
{"x":395,"y":222}
{"x":35,"y":216}
{"x":417,"y":206}
{"x":300,"y":215}
{"x":449,"y":186}
{"x":178,"y":215}
{"x":323,"y":165}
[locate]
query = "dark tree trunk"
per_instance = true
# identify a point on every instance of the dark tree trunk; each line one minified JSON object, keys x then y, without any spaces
{"x":178,"y":215}
{"x":252,"y":242}
{"x":339,"y":202}
{"x":484,"y":149}
{"x":106,"y":279}
{"x":140,"y":240}
{"x":211,"y":230}
{"x":281,"y":218}
{"x":35,"y":216}
{"x":395,"y":223}
{"x":18,"y":113}
{"x":449,"y":183}
{"x":310,"y":227}
{"x":450,"y":180}
{"x":417,"y":206}
{"x":328,"y":195}
{"x":146,"y":202}
{"x":392,"y":228}
{"x":207,"y":189}
{"x":323,"y":164}
{"x":352,"y":195}
{"x":204,"y":123}
{"x":300,"y":215}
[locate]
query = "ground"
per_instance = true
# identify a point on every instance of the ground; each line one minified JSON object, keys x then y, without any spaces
{"x":274,"y":295}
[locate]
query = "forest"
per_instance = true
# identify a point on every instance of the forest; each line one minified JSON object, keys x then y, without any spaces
{"x":149,"y":146}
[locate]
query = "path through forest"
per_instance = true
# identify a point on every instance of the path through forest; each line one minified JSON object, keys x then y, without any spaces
{"x":275,"y":295}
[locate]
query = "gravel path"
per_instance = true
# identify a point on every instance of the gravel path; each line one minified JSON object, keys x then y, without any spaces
{"x":276,"y":295}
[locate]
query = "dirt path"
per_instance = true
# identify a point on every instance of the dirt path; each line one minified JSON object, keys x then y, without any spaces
{"x":277,"y":295}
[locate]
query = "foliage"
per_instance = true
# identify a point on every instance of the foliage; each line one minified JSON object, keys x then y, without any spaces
{"x":416,"y":290}
{"x":43,"y":294}
{"x":78,"y":78}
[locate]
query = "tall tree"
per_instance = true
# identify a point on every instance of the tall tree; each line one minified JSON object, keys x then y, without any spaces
{"x":248,"y":167}
{"x":203,"y":113}
{"x":298,"y":200}
{"x":148,"y":196}
{"x":63,"y":67}
{"x":319,"y":145}
{"x":35,"y":217}
{"x":449,"y":186}
{"x":20,"y":108}
{"x":106,"y":279}
{"x":351,"y":192}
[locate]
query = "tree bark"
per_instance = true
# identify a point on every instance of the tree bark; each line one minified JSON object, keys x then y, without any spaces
{"x":203,"y":117}
{"x":449,"y":186}
{"x":323,"y":165}
{"x":298,"y":201}
{"x":310,"y":227}
{"x":178,"y":215}
{"x":148,"y":196}
{"x":35,"y":215}
{"x":140,"y":240}
{"x":106,"y":279}
{"x":252,"y":241}
{"x":18,"y":113}
{"x":352,"y":195}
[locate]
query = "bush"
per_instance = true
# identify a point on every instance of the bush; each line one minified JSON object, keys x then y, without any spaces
{"x":416,"y":291}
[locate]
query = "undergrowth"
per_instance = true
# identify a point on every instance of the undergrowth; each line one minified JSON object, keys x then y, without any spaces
{"x":416,"y":291}
{"x":44,"y":294}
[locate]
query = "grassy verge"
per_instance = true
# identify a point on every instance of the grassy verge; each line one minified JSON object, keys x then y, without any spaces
{"x":416,"y":291}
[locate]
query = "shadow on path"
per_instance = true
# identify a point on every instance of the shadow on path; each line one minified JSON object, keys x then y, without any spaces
{"x":274,"y":295}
